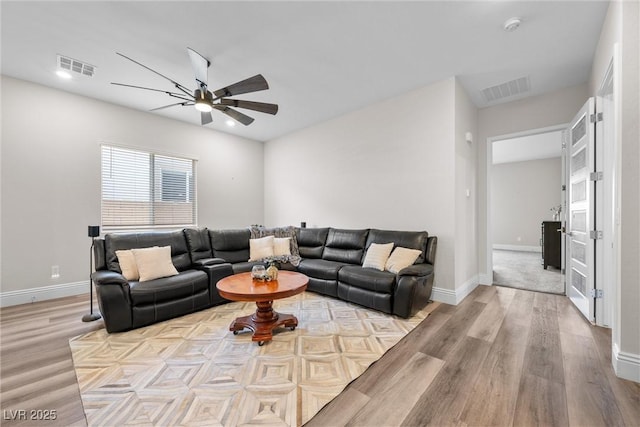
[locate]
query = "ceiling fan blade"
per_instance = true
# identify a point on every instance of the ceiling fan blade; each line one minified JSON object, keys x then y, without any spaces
{"x":236,"y":115}
{"x":262,"y":107}
{"x":174,"y":94}
{"x":252,"y":84}
{"x":176,"y":84}
{"x":171,"y":105}
{"x":200,"y":65}
{"x":205,"y":118}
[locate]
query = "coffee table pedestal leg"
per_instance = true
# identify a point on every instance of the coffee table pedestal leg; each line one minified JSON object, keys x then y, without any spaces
{"x":263,"y":322}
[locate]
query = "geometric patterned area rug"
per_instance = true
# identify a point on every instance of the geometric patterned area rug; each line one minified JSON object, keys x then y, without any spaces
{"x":192,"y":371}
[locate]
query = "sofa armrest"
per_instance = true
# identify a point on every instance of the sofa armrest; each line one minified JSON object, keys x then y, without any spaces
{"x":432,"y":245}
{"x":416,"y":270}
{"x":208,"y":261}
{"x":216,"y":272}
{"x":107,"y":277}
{"x":412,"y":293}
{"x":112,"y":290}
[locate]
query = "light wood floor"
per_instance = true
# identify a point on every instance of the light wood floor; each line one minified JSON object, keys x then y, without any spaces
{"x":501,"y":357}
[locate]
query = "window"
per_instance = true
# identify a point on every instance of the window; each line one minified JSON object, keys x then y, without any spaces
{"x":146,"y":190}
{"x":176,"y":186}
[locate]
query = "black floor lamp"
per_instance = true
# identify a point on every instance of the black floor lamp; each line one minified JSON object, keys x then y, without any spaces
{"x":94,"y":231}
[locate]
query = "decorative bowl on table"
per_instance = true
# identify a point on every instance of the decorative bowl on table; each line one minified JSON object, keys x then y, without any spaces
{"x":259,"y":272}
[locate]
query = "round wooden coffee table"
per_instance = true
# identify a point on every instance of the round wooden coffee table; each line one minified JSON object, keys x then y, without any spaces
{"x":241,"y":287}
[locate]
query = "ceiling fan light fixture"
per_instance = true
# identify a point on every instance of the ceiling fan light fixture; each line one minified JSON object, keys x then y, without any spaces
{"x":206,"y":101}
{"x":203,"y":105}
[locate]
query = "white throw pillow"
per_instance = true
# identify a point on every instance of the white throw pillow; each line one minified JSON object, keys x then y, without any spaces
{"x":128,"y":264}
{"x":401,"y":258}
{"x":260,"y":248}
{"x":154,"y":263}
{"x":281,"y":246}
{"x":377,"y":255}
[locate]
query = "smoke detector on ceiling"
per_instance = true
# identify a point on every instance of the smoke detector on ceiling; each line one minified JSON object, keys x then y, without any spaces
{"x":511,"y":24}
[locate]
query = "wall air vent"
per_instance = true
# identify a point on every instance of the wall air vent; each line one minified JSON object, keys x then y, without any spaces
{"x":70,"y":64}
{"x":507,"y":89}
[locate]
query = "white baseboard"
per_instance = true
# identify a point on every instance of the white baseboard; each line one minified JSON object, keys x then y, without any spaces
{"x":626,"y":365}
{"x":485,"y":279}
{"x":453,"y":297}
{"x":446,"y":296}
{"x":521,"y":248}
{"x":43,"y":293}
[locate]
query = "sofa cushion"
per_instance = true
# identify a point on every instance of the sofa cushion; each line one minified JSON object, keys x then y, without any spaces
{"x":198,"y":243}
{"x":345,"y":245}
{"x":406,"y":239}
{"x":230,"y":245}
{"x":377,"y":255}
{"x":154,"y":263}
{"x":401,"y":258}
{"x":176,"y":239}
{"x":320,"y":268}
{"x":282,"y":246}
{"x":128,"y":265}
{"x":260,"y":248}
{"x":367,"y":278}
{"x":185,"y":284}
{"x":311,"y":241}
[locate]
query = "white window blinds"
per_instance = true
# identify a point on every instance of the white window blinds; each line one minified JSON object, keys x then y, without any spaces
{"x":146,"y":190}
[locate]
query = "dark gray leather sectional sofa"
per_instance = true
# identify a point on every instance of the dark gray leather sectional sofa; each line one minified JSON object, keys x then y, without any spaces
{"x":331,"y":258}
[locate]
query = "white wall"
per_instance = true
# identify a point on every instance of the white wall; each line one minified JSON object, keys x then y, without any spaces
{"x":621,"y":28}
{"x":390,"y":165}
{"x":51,"y":176}
{"x":466,"y":171}
{"x":522,"y":194}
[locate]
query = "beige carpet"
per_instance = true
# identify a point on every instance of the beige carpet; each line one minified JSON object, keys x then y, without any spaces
{"x":523,"y":270}
{"x":192,"y":371}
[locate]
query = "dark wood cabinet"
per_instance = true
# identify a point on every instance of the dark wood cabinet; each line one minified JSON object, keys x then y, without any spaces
{"x":551,"y":244}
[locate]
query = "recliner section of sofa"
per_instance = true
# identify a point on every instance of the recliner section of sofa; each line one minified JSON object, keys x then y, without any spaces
{"x":341,"y":248}
{"x":131,"y":304}
{"x":331,"y":258}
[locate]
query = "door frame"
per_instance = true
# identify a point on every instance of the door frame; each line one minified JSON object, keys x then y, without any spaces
{"x":608,"y":212}
{"x":488,"y":176}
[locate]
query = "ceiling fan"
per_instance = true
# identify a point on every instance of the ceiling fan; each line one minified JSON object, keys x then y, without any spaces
{"x":204,"y":100}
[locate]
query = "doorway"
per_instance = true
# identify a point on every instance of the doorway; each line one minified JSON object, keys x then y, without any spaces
{"x":526,"y":208}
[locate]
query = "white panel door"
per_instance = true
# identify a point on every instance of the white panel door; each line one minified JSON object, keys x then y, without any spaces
{"x":580,"y":215}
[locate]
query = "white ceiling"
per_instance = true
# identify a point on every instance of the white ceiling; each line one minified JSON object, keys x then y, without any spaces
{"x":532,"y":147}
{"x":321,"y":59}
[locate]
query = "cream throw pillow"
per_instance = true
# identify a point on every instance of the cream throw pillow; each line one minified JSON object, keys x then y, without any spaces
{"x":401,"y":258}
{"x":260,"y":248}
{"x":128,"y":264}
{"x":281,"y":246}
{"x":154,"y":263}
{"x":377,"y":255}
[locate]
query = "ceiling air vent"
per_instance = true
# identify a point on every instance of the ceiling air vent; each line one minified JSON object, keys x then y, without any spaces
{"x":70,"y":64}
{"x":507,"y":89}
